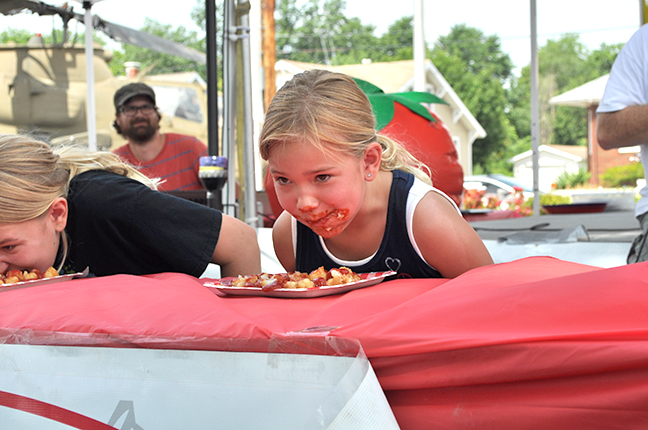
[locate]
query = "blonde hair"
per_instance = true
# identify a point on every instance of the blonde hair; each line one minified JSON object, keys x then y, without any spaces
{"x":329,"y":109}
{"x":33,"y":175}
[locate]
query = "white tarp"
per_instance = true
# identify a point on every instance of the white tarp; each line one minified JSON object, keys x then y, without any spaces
{"x":599,"y":254}
{"x":49,"y":387}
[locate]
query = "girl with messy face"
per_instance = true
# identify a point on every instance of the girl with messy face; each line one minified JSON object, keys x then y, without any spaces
{"x":335,"y":176}
{"x":322,"y":188}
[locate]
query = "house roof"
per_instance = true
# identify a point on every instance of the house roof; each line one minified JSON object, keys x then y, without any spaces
{"x":585,"y":95}
{"x":391,"y":77}
{"x":182,"y":77}
{"x":398,"y":76}
{"x":571,"y":152}
{"x":578,"y":151}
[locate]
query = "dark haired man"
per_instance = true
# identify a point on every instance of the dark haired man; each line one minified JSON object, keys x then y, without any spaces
{"x":173,"y":158}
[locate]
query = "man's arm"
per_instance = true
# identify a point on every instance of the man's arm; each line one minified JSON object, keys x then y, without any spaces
{"x":237,"y":251}
{"x":626,"y":127}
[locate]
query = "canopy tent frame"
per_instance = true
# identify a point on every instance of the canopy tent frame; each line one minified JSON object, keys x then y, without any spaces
{"x":237,"y":129}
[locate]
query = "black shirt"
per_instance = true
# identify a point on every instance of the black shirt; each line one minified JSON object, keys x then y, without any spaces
{"x":118,"y":225}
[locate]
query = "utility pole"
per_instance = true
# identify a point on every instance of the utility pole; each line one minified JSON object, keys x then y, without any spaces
{"x":535,"y":111}
{"x":269,"y":55}
{"x":419,"y":47}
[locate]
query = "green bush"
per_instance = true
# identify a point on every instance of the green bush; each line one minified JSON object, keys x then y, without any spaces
{"x":572,"y":180}
{"x":546,"y":200}
{"x":622,"y":176}
{"x":554,"y":199}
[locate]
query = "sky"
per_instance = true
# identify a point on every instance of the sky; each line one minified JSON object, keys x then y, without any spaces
{"x":596,"y":21}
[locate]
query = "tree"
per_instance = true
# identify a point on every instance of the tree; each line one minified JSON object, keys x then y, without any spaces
{"x":476,"y":68}
{"x":20,"y":36}
{"x":563,"y":65}
{"x":519,"y":104}
{"x":477,"y":51}
{"x":157,"y":62}
{"x":397,"y":43}
{"x":566,"y":60}
{"x":600,"y":61}
{"x":287,"y":16}
{"x":317,"y":31}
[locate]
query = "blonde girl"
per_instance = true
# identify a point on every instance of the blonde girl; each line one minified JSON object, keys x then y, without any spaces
{"x":71,"y":208}
{"x":352,"y":197}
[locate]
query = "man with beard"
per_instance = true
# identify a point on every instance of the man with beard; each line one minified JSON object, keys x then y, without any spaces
{"x":173,"y":158}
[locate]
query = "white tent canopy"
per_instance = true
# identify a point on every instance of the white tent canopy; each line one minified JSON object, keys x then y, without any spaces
{"x":583,"y":96}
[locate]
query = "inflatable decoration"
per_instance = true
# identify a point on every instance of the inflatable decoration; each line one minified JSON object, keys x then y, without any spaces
{"x":404,"y":118}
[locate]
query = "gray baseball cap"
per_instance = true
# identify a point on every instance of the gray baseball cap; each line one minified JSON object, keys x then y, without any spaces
{"x":127,"y":92}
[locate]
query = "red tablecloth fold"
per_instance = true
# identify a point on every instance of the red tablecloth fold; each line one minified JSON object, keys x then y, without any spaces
{"x":537,"y":343}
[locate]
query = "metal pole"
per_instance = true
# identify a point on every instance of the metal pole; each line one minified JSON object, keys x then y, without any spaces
{"x":535,"y":111}
{"x":269,"y":55}
{"x":229,"y":95}
{"x":212,"y":78}
{"x":419,"y":47}
{"x":91,"y":119}
{"x":251,"y":216}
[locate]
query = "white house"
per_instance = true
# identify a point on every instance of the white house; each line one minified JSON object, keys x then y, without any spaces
{"x":553,"y":160}
{"x":398,"y":76}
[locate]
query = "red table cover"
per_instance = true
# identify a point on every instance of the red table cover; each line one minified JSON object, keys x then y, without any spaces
{"x":537,"y":343}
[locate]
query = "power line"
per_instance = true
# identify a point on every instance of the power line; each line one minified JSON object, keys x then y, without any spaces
{"x":349,"y":36}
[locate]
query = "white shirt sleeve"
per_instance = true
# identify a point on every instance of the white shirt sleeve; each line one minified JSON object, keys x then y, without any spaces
{"x":626,"y":85}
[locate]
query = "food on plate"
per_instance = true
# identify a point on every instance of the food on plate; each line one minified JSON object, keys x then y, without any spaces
{"x":298,"y":280}
{"x":14,"y":276}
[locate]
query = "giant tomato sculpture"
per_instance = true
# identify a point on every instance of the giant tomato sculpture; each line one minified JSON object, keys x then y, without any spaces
{"x":403,"y":118}
{"x":431,"y":143}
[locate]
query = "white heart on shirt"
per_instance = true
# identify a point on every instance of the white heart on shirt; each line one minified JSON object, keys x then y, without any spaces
{"x":393,"y":263}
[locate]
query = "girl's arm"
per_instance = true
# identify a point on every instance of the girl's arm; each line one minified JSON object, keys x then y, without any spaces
{"x":237,"y":250}
{"x":283,"y":243}
{"x":448,"y":243}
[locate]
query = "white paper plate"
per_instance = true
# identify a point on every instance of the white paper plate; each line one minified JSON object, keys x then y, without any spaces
{"x":369,"y":279}
{"x":35,"y":282}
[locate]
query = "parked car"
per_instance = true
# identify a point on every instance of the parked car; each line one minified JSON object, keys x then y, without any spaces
{"x":498,"y":185}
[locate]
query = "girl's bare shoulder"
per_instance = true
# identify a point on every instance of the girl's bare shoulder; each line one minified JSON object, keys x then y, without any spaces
{"x":435,"y":202}
{"x":283,"y":241}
